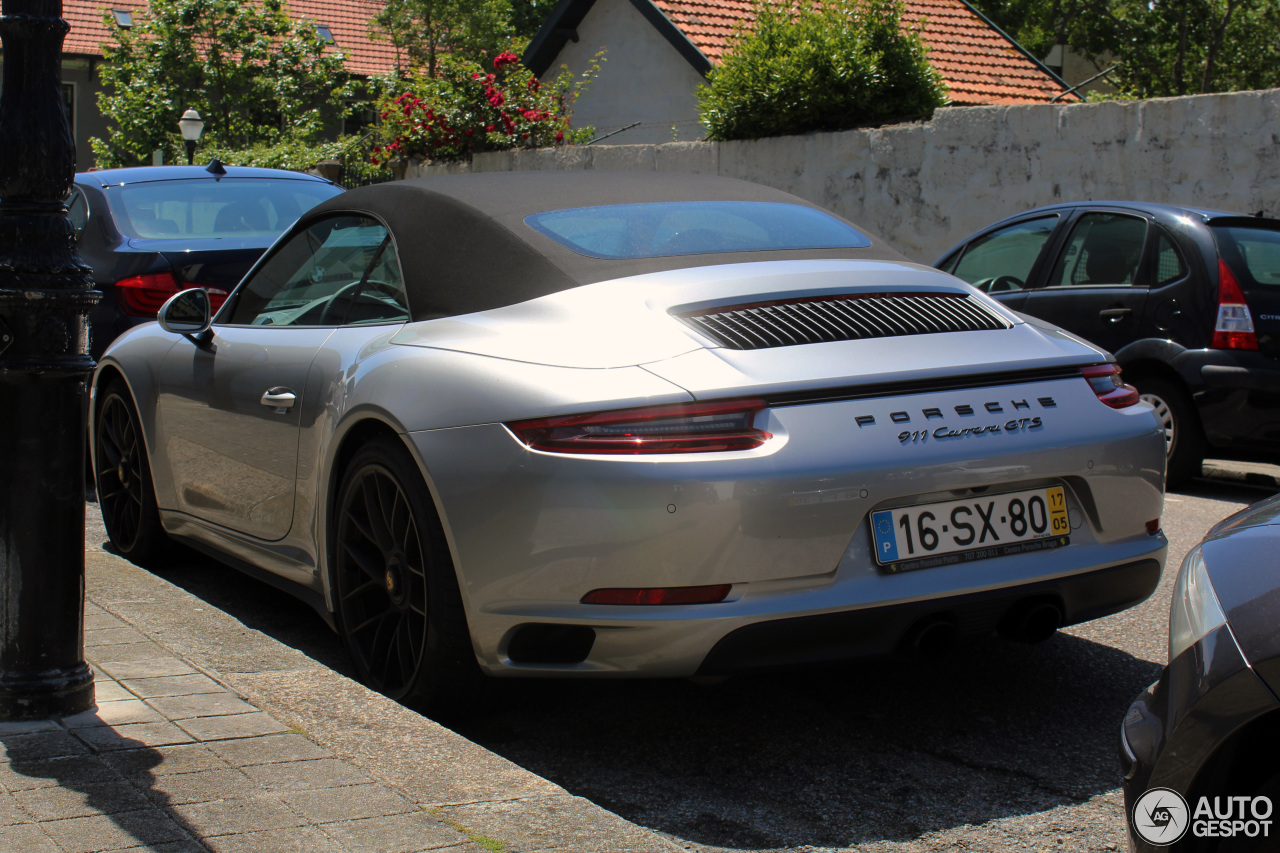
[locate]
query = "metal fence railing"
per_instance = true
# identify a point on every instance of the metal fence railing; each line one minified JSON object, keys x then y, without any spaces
{"x":357,"y":169}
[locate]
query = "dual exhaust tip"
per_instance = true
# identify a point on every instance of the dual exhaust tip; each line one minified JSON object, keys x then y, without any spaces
{"x":1030,"y":621}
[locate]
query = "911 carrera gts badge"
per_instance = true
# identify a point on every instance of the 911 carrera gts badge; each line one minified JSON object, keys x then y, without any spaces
{"x":942,"y":432}
{"x":964,"y":410}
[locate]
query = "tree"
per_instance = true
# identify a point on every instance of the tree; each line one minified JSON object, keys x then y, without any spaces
{"x":802,"y":69}
{"x":255,"y":76}
{"x":423,"y":31}
{"x":528,"y":16}
{"x":1160,"y":47}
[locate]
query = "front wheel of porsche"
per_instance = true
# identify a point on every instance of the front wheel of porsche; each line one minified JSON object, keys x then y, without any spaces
{"x":398,"y":605}
{"x":122,"y":477}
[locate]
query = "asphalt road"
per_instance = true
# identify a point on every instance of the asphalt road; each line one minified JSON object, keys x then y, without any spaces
{"x":996,"y":747}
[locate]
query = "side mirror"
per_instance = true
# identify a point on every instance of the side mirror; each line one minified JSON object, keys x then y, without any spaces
{"x":186,"y":313}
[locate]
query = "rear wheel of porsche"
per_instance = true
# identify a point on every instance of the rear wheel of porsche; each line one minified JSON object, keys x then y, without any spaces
{"x":122,"y":477}
{"x":399,"y":609}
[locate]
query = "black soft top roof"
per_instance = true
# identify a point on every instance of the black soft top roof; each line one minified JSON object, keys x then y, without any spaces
{"x":464,"y":245}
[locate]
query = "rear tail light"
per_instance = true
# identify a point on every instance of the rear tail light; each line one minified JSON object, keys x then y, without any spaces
{"x":142,"y":295}
{"x":1104,"y":379}
{"x":659,"y":595}
{"x":681,"y":428}
{"x":1234,"y":329}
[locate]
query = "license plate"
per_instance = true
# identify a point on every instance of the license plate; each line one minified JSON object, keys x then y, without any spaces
{"x":999,"y":524}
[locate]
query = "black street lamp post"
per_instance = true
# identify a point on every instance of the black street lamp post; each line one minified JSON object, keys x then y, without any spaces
{"x":191,"y":127}
{"x":46,"y":292}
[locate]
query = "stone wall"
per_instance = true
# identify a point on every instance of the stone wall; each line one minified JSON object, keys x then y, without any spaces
{"x":925,"y":186}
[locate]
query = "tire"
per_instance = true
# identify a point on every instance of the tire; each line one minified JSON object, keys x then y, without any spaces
{"x":122,"y":477}
{"x":1184,"y":437}
{"x":396,"y":595}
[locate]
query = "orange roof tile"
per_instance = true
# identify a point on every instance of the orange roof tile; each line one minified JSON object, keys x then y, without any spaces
{"x":979,"y":63}
{"x":348,"y":20}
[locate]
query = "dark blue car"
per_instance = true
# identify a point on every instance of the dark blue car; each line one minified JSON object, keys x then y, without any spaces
{"x":150,"y":232}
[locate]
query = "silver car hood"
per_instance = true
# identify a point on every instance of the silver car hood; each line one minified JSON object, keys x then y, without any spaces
{"x":629,"y":322}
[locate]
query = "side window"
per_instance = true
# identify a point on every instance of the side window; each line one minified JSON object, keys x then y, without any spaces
{"x":1104,"y":248}
{"x":77,"y":212}
{"x":1169,"y":264}
{"x":1002,"y":260}
{"x":338,"y":270}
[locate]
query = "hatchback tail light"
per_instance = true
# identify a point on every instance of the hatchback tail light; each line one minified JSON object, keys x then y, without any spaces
{"x":1104,"y":379}
{"x":1234,"y":328}
{"x":142,"y":295}
{"x":682,"y":428}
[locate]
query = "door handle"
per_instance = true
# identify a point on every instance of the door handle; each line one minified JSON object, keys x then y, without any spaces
{"x":279,"y":398}
{"x":1115,"y":315}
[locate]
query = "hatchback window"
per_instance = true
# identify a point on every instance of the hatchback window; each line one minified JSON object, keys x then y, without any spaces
{"x":340,"y":271}
{"x":1252,"y":253}
{"x":1002,"y":260}
{"x":1104,"y":248}
{"x":231,"y":207}
{"x":1169,"y":264}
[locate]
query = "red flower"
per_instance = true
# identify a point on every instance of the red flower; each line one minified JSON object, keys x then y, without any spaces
{"x":504,"y":59}
{"x":560,"y":137}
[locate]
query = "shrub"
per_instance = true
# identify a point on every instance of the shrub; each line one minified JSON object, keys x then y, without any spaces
{"x":301,"y":156}
{"x":803,"y":68}
{"x":469,"y":108}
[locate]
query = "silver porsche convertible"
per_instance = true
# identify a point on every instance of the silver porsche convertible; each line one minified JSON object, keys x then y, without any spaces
{"x":594,"y":424}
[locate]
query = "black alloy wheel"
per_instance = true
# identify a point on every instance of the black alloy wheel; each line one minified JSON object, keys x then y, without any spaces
{"x":122,"y":477}
{"x":398,"y":605}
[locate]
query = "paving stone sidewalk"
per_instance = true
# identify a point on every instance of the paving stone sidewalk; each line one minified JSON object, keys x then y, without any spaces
{"x":210,"y":737}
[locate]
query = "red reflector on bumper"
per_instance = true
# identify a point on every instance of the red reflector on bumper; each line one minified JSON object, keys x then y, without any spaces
{"x":1153,"y":527}
{"x":659,"y":595}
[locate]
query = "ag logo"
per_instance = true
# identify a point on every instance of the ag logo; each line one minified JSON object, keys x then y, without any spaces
{"x":1160,"y":816}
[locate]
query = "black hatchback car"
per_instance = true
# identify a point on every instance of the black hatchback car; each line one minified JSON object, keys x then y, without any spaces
{"x":149,"y":232}
{"x":1187,"y":299}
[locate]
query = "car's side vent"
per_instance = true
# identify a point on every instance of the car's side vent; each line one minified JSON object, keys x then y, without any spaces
{"x":813,"y":320}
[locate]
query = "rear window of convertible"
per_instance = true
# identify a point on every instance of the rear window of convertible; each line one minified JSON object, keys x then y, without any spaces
{"x":662,"y":229}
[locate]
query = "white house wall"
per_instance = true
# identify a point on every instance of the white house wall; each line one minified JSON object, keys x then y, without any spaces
{"x":927,"y":185}
{"x":662,"y":98}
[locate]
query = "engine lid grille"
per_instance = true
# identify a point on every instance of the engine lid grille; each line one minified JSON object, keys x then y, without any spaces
{"x":813,"y":320}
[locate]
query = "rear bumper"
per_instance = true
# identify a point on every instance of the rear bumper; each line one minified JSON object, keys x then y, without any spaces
{"x":787,"y":525}
{"x":838,"y":637}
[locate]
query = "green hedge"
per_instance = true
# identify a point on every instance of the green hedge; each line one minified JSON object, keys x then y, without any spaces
{"x":801,"y":69}
{"x":303,"y":156}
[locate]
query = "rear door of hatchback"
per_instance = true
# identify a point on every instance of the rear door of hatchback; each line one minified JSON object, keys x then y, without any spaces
{"x":1249,"y":249}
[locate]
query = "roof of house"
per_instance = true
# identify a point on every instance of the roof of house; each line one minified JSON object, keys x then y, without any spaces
{"x":347,"y":20}
{"x":980,"y":64}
